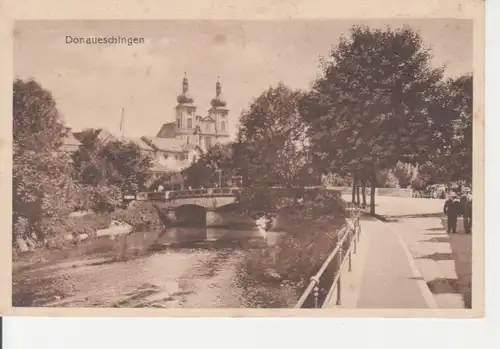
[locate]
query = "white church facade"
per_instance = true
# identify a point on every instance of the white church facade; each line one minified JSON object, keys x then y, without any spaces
{"x":192,"y":129}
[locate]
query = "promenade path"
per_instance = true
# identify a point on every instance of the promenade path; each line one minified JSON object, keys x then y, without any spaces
{"x":407,"y":260}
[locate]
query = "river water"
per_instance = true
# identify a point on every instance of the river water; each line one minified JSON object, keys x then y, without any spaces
{"x":182,"y":267}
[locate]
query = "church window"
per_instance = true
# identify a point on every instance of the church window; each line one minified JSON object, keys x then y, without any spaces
{"x":208,"y":142}
{"x":190,"y":123}
{"x":222,"y":126}
{"x":187,"y":139}
{"x":207,"y":127}
{"x":178,"y":123}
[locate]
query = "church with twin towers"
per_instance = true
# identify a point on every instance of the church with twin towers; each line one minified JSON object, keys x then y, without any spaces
{"x":192,"y":129}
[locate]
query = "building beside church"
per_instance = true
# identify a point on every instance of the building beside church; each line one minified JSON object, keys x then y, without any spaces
{"x":192,"y":129}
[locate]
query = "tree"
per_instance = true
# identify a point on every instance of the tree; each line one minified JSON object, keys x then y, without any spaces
{"x":205,"y":171}
{"x":41,"y":174}
{"x":272,"y":147}
{"x":452,"y":160}
{"x":37,"y":124}
{"x":370,"y":109}
{"x":405,"y":174}
{"x":110,"y":170}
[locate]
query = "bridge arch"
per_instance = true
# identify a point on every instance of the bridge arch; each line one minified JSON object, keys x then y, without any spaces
{"x":191,"y":214}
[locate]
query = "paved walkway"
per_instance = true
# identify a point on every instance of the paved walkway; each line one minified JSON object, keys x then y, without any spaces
{"x":444,"y":260}
{"x":408,"y":261}
{"x":389,"y":278}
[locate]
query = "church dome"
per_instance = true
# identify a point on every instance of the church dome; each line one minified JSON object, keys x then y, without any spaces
{"x":185,"y":98}
{"x":218,"y":101}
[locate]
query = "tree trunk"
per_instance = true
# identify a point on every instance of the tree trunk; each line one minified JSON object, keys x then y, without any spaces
{"x":363,"y":190}
{"x":353,"y":190}
{"x":358,"y":199}
{"x":372,"y":193}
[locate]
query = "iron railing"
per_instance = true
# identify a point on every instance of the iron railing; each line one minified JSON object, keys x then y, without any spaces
{"x":329,"y":276}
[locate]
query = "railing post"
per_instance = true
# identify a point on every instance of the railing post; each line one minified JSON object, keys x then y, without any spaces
{"x":315,"y":291}
{"x":350,"y":263}
{"x":355,"y":240}
{"x":315,"y":296}
{"x":339,"y":285}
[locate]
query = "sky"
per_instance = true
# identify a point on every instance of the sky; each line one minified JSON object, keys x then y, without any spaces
{"x":92,"y":83}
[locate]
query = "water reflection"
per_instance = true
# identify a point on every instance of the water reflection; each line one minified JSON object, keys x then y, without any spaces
{"x":180,"y":267}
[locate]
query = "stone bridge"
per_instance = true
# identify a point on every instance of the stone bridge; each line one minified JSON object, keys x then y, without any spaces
{"x":212,"y":206}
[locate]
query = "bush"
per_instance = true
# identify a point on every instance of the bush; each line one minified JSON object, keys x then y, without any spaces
{"x":141,"y":216}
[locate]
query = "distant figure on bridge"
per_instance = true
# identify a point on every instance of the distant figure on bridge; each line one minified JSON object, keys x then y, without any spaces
{"x":466,"y":203}
{"x":160,"y":188}
{"x":452,"y":210}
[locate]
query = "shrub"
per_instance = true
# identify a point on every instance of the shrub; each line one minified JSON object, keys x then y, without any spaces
{"x":141,"y":216}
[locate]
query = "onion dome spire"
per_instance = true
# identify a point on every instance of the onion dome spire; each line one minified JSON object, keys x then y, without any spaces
{"x":218,"y":101}
{"x":185,"y":98}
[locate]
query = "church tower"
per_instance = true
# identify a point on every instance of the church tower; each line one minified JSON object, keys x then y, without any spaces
{"x":219,"y":113}
{"x":185,"y":114}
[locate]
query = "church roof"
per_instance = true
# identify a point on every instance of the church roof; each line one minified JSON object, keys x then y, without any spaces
{"x":167,"y":130}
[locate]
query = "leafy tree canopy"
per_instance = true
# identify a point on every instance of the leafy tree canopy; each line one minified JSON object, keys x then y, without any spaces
{"x":371,"y":106}
{"x":272,"y":146}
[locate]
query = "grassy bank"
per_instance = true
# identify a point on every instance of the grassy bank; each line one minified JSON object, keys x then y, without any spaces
{"x":142,"y":217}
{"x":311,"y":234}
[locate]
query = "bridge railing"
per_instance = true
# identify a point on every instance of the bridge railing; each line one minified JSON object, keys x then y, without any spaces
{"x":224,"y":191}
{"x":185,"y":193}
{"x":328,"y":279}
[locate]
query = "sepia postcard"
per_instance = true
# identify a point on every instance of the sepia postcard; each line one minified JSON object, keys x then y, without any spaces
{"x":295,"y":161}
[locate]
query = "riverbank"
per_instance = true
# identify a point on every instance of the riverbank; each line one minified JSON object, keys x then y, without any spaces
{"x":58,"y":247}
{"x":175,"y":267}
{"x":311,"y":229}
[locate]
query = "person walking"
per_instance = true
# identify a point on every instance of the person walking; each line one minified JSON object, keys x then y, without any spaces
{"x":452,"y":210}
{"x":466,"y":203}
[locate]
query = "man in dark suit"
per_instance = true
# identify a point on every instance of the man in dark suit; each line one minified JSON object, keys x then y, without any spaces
{"x":452,"y":210}
{"x":466,"y":203}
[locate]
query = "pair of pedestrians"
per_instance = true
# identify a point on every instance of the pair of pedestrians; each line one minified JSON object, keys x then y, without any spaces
{"x":457,"y":206}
